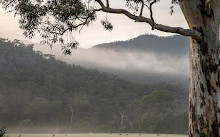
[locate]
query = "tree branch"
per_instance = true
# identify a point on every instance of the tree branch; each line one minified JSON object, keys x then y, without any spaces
{"x":185,"y":32}
{"x":151,"y":13}
{"x":107,"y":3}
{"x":142,"y":7}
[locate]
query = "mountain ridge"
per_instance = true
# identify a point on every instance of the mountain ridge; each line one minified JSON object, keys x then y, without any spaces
{"x":145,"y":43}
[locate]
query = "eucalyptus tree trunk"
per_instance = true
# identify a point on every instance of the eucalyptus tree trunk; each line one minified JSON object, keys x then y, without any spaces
{"x":204,"y":110}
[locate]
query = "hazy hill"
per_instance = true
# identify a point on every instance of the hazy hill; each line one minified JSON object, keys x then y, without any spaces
{"x":145,"y":59}
{"x":43,"y":95}
{"x":176,"y":46}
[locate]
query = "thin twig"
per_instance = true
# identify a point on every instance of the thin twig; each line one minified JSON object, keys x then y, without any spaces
{"x":151,"y":13}
{"x":107,"y":3}
{"x":142,"y":7}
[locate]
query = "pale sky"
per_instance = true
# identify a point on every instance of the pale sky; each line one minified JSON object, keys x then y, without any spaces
{"x":94,"y":34}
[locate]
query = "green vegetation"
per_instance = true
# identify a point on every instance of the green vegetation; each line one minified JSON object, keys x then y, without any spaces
{"x":37,"y":90}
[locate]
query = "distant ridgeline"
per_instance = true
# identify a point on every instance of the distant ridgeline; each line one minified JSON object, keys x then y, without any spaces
{"x":172,"y":51}
{"x":41,"y":94}
{"x":175,"y":46}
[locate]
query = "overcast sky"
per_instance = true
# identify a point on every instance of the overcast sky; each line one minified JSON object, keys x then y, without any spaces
{"x":94,"y":34}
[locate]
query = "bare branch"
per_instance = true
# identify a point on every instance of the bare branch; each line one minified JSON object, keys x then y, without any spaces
{"x":107,"y":3}
{"x":142,"y":7}
{"x":147,"y":6}
{"x":185,"y":32}
{"x":151,"y":13}
{"x":9,"y":4}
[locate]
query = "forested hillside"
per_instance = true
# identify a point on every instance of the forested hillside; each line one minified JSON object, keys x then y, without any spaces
{"x":176,"y":46}
{"x":143,"y":59}
{"x":41,"y":94}
{"x":172,"y":51}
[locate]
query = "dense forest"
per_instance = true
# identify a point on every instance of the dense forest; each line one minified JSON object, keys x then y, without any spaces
{"x":39,"y":93}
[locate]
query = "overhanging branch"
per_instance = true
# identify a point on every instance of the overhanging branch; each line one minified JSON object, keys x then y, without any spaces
{"x":185,"y":32}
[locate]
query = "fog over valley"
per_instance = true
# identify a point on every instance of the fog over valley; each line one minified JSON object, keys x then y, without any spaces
{"x":109,"y":68}
{"x":144,"y":59}
{"x":40,"y":94}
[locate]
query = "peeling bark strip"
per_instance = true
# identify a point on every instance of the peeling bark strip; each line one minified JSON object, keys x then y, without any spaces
{"x":204,"y":113}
